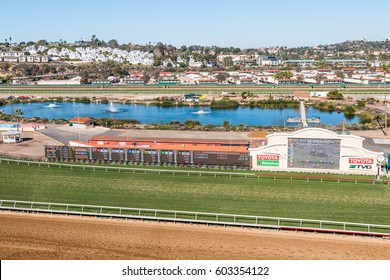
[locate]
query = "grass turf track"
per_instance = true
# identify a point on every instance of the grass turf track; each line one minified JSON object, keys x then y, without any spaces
{"x":345,"y":201}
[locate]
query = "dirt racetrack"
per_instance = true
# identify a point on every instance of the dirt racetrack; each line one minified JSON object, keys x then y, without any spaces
{"x":37,"y":236}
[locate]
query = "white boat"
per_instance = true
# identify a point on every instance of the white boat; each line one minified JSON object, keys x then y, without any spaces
{"x":201,"y":112}
{"x":52,"y":105}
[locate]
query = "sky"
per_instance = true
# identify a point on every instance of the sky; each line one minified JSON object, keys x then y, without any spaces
{"x":224,"y":23}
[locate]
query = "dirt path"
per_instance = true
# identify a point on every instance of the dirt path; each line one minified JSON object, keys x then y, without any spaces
{"x":36,"y":236}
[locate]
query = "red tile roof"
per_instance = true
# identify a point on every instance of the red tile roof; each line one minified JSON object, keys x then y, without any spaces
{"x":179,"y":147}
{"x":169,"y":141}
{"x":80,"y":120}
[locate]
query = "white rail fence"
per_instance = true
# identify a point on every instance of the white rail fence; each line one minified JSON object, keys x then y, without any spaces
{"x":193,"y":217}
{"x":160,"y":171}
{"x":93,"y":167}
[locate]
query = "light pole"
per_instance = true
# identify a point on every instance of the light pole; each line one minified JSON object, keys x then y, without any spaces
{"x":230,"y":133}
{"x":78,"y":120}
{"x":385,"y":68}
{"x":384,"y":81}
{"x":385,"y":110}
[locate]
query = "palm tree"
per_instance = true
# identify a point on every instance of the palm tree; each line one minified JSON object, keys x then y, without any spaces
{"x":385,"y":69}
{"x":18,"y":113}
{"x":319,"y":78}
{"x":378,"y":119}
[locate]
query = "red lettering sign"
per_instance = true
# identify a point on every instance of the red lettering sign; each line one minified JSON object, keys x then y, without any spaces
{"x":268,"y":157}
{"x":361,"y":160}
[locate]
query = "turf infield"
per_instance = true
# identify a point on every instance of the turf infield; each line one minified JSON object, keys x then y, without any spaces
{"x":345,"y":201}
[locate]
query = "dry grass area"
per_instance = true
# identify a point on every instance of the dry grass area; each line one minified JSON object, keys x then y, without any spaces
{"x":37,"y":236}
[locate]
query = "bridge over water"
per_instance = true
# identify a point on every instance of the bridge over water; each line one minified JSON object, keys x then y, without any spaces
{"x":302,"y":119}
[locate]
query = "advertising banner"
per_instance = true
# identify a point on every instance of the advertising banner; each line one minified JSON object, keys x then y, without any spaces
{"x":268,"y":160}
{"x":361,"y":163}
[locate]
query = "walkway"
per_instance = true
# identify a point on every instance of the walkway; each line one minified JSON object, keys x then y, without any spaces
{"x":303,"y":114}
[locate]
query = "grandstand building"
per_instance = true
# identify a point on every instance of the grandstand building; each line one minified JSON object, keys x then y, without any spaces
{"x":306,"y":150}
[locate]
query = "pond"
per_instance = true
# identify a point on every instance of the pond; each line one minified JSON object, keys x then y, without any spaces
{"x":155,"y":114}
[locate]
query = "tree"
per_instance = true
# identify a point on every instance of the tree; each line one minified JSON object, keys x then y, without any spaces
{"x":146,"y":78}
{"x":236,"y":50}
{"x":84,"y":77}
{"x":386,"y":70}
{"x":339,"y":74}
{"x":366,"y":117}
{"x":300,"y":78}
{"x":228,"y":61}
{"x":226,"y":125}
{"x":94,"y":41}
{"x":349,"y":110}
{"x":41,"y":42}
{"x":222,"y":77}
{"x":283,"y":75}
{"x":113,"y":43}
{"x":319,"y":78}
{"x":18,"y":113}
{"x":335,"y":94}
{"x":4,"y":66}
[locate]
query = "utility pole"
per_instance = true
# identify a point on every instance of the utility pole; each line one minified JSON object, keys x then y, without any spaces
{"x":78,"y":120}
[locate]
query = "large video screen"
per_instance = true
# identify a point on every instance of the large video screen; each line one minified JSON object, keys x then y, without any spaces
{"x":314,"y":153}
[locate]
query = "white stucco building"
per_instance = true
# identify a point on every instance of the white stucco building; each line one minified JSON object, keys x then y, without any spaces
{"x":11,"y":137}
{"x":314,"y":150}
